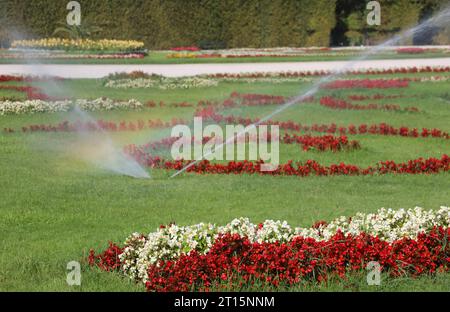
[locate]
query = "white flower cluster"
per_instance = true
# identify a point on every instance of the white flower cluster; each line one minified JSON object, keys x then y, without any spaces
{"x":163,"y":83}
{"x":168,"y":243}
{"x":434,"y":79}
{"x":286,"y":51}
{"x":39,"y":106}
{"x":387,"y":224}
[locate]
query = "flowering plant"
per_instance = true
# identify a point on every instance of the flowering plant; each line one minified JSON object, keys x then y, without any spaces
{"x":165,"y":259}
{"x":164,"y":83}
{"x":40,"y":106}
{"x":78,"y":44}
{"x":334,"y":103}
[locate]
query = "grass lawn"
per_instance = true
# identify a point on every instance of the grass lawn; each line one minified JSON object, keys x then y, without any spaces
{"x":160,"y":57}
{"x":54,"y":207}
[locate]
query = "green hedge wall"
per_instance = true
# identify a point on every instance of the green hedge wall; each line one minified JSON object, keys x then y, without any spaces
{"x":219,"y":23}
{"x":168,"y":23}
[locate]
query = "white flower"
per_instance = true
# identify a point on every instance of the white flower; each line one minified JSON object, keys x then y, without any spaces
{"x":39,"y":106}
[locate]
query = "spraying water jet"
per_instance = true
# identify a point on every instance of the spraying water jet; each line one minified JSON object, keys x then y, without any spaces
{"x":438,"y":19}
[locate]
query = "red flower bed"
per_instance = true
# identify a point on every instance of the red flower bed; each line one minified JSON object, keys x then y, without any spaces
{"x":253,"y":99}
{"x":321,"y":143}
{"x":374,"y":129}
{"x":209,"y":114}
{"x":103,"y":125}
{"x":32,"y":93}
{"x":6,"y":78}
{"x":334,"y":103}
{"x":233,"y":261}
{"x":367,"y":84}
{"x":410,"y":51}
{"x":108,"y":260}
{"x":307,"y":168}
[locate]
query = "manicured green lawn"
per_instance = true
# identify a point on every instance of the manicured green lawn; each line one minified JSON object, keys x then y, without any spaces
{"x":55,"y":207}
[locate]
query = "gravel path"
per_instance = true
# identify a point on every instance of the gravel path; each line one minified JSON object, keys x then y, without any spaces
{"x":177,"y":70}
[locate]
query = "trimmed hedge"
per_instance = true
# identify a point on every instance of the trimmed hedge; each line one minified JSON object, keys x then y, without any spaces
{"x":163,"y":24}
{"x":169,"y":23}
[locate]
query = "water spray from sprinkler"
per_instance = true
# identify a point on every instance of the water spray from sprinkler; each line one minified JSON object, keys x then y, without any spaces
{"x":438,"y":19}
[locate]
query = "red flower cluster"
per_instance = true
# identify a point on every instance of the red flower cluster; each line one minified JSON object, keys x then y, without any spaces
{"x":367,"y":84}
{"x":168,"y":142}
{"x":308,"y":168}
{"x":321,"y":143}
{"x":410,"y":50}
{"x":6,"y":78}
{"x":234,"y":260}
{"x":32,"y":93}
{"x":253,"y":99}
{"x":107,"y":260}
{"x":375,"y":129}
{"x":334,"y":103}
{"x":102,"y":125}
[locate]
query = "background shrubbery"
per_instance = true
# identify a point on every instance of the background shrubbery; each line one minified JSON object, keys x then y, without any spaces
{"x":222,"y":23}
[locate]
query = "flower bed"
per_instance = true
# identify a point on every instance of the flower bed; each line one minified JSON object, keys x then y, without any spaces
{"x":7,"y":78}
{"x":362,"y":129}
{"x":40,"y":106}
{"x":331,"y":102}
{"x":79,"y":44}
{"x":288,"y":74}
{"x":164,"y":83}
{"x":189,"y":48}
{"x":367,"y":84}
{"x":301,"y":169}
{"x":182,"y":258}
{"x":378,"y":96}
{"x":103,"y":125}
{"x":32,"y":93}
{"x":374,"y":129}
{"x":411,"y":50}
{"x":257,"y":53}
{"x":65,"y":56}
{"x":321,"y":143}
